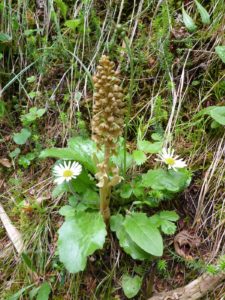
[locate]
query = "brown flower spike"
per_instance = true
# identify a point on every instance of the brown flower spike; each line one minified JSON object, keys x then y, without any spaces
{"x":107,"y":126}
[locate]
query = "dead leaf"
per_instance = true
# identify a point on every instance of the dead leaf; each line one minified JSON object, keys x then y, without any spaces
{"x":185,"y":242}
{"x":5,"y":162}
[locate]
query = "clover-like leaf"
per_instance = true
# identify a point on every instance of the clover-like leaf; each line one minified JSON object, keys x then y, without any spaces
{"x":21,"y":137}
{"x":131,"y":285}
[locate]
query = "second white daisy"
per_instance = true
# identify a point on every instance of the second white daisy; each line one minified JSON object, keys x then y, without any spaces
{"x":66,"y":171}
{"x":173,"y":162}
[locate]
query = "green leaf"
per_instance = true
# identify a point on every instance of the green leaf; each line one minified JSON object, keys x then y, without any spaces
{"x":169,"y":215}
{"x":144,"y":234}
{"x":203,"y":12}
{"x":126,"y":191}
{"x":139,"y":157}
{"x":2,"y":109}
{"x":220,"y":51}
{"x":5,"y":38}
{"x":131,"y":285}
{"x":14,"y":153}
{"x":188,"y":21}
{"x":62,"y":7}
{"x":18,"y":294}
{"x":44,"y":291}
{"x":62,"y":153}
{"x":218,"y":114}
{"x":157,"y":137}
{"x":79,"y":237}
{"x":129,"y":247}
{"x":160,"y":179}
{"x":73,"y":24}
{"x":67,"y":211}
{"x":148,"y":147}
{"x":85,"y":150}
{"x":168,"y":227}
{"x":21,"y":137}
{"x":33,"y":115}
{"x":28,"y":262}
{"x":165,"y":220}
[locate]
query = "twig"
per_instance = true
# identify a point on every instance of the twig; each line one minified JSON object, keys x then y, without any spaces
{"x":14,"y":235}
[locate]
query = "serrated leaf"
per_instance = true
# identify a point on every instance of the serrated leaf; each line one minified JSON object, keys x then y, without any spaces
{"x":67,"y":211}
{"x":44,"y":291}
{"x":139,"y":157}
{"x":220,"y":51}
{"x":129,"y":247}
{"x":160,"y":179}
{"x":188,"y":21}
{"x":148,"y":147}
{"x":203,"y":12}
{"x":73,"y":24}
{"x":79,"y":237}
{"x":218,"y":114}
{"x":169,"y":215}
{"x":144,"y":234}
{"x":5,"y":38}
{"x":131,"y":285}
{"x":168,"y":227}
{"x":21,"y":137}
{"x":62,"y":7}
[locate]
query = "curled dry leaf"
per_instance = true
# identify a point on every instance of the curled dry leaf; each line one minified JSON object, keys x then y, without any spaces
{"x":5,"y":162}
{"x":185,"y":242}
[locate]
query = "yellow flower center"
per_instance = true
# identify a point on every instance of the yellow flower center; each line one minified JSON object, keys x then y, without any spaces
{"x":67,"y":173}
{"x":170,"y":161}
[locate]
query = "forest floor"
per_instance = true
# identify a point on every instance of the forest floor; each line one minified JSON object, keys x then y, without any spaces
{"x":48,"y":51}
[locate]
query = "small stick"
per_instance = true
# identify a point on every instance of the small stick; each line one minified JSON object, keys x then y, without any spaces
{"x":14,"y":235}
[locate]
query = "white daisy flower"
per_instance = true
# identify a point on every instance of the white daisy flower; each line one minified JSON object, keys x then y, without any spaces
{"x":173,"y":162}
{"x":65,"y":172}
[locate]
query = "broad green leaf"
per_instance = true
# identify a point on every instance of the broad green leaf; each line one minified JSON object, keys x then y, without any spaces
{"x":62,"y":7}
{"x":79,"y":237}
{"x":62,"y":153}
{"x":220,"y":51}
{"x":21,"y":137}
{"x":203,"y":12}
{"x":5,"y":38}
{"x":91,"y":199}
{"x":14,"y":153}
{"x":169,"y":215}
{"x":188,"y":21}
{"x":131,"y":285}
{"x":126,"y":190}
{"x":157,"y":137}
{"x":218,"y":114}
{"x":82,"y":183}
{"x":139,"y":157}
{"x":144,"y":234}
{"x":129,"y":247}
{"x":85,"y":150}
{"x":73,"y":24}
{"x":160,"y":179}
{"x":67,"y":211}
{"x":44,"y":291}
{"x":148,"y":147}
